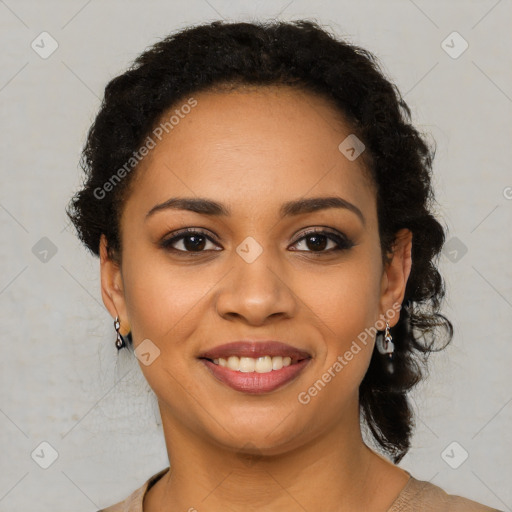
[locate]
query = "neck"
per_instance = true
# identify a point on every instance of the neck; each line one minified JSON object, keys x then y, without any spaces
{"x":335,"y":471}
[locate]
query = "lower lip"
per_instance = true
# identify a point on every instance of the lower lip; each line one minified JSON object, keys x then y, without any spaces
{"x":253,"y":382}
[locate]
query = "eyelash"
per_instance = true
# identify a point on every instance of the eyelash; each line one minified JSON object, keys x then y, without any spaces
{"x":342,"y":241}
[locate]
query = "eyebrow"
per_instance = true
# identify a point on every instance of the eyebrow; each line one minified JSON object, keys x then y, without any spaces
{"x":291,"y":208}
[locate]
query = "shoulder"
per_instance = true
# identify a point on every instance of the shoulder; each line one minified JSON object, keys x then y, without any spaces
{"x":420,"y":496}
{"x":133,"y":503}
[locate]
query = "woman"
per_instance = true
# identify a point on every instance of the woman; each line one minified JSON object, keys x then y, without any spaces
{"x":261,"y":207}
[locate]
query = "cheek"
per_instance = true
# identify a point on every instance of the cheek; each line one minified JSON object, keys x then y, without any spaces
{"x":165,"y":305}
{"x":162,"y":299}
{"x":343,"y":298}
{"x":343,"y":303}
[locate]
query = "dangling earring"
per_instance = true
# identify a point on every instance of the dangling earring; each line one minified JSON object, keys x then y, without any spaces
{"x":386,"y":347}
{"x":119,"y":341}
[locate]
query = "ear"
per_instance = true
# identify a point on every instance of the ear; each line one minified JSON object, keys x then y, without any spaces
{"x":396,"y":273}
{"x":112,"y":290}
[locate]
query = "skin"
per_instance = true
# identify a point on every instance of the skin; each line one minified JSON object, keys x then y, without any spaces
{"x":253,"y":150}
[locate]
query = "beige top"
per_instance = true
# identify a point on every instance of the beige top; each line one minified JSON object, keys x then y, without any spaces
{"x":416,"y":496}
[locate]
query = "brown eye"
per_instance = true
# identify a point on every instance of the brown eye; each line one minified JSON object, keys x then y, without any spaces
{"x":318,"y":241}
{"x":188,"y":241}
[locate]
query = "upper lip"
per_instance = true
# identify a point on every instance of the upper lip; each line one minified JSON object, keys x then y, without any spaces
{"x":255,"y":349}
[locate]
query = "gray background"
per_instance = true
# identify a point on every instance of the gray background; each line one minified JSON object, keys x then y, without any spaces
{"x":62,"y":380}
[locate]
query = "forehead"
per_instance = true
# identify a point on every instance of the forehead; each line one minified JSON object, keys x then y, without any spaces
{"x":251,"y":145}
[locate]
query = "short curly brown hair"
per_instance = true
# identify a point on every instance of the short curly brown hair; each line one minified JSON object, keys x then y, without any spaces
{"x":299,"y":54}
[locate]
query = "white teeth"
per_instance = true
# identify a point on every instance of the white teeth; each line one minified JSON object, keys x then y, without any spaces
{"x":264,"y":364}
{"x":233,"y":363}
{"x":277,"y":363}
{"x":246,"y":364}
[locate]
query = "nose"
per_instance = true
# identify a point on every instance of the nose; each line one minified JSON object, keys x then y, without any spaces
{"x":256,"y":292}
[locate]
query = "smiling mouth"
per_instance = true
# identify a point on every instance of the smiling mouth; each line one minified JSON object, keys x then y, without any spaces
{"x":255,"y":367}
{"x":263,"y":364}
{"x":256,"y":375}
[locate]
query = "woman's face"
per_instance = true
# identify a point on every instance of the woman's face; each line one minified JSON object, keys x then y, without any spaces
{"x":253,"y":272}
